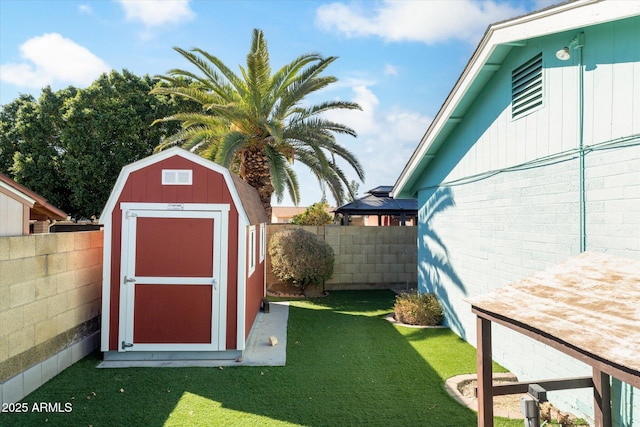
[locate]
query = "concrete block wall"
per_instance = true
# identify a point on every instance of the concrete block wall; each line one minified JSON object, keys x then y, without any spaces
{"x":494,"y":232}
{"x":50,"y":300}
{"x":500,"y":229}
{"x":613,"y":201}
{"x":365,"y":257}
{"x":613,"y":226}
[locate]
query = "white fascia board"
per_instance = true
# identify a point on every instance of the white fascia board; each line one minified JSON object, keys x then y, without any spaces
{"x":452,"y":101}
{"x":565,"y":17}
{"x":19,"y":195}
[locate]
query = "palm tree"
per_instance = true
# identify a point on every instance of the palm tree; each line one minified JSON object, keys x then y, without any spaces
{"x":257,"y":124}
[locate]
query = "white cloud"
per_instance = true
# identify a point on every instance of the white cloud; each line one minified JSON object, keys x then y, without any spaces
{"x":157,"y":13}
{"x":390,"y":70}
{"x":361,"y":121}
{"x":85,"y":9}
{"x":51,"y":58}
{"x":386,"y":137}
{"x":422,"y":21}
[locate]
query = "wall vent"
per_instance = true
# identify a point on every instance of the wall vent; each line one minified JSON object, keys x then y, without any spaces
{"x":177,"y":177}
{"x":526,"y":87}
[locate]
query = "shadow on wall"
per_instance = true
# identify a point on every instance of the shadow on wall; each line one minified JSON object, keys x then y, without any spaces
{"x":622,"y":399}
{"x":435,"y":270}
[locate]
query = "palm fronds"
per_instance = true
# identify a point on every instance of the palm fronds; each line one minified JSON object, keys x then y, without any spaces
{"x":260,"y":110}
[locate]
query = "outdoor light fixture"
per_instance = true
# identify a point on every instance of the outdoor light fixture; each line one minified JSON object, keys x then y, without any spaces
{"x":564,"y":54}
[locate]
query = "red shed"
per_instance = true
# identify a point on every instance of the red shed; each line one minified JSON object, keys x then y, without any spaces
{"x":184,"y":260}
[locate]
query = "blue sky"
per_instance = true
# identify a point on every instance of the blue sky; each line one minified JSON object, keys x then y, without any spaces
{"x":397,"y":59}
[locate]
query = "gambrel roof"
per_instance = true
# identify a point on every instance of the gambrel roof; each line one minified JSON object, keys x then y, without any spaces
{"x":245,"y":197}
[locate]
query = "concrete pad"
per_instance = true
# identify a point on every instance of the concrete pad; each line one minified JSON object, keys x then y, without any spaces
{"x":258,"y":350}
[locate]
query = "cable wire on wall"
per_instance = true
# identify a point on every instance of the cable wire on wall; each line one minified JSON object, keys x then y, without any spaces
{"x":553,"y":159}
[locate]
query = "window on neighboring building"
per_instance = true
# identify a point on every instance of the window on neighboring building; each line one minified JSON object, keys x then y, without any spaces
{"x":526,"y":87}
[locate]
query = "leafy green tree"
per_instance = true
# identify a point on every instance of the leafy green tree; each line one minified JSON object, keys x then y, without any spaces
{"x":69,"y":146}
{"x":257,"y":123}
{"x":108,"y":125}
{"x":9,"y":130}
{"x":34,"y":132}
{"x":315,"y":214}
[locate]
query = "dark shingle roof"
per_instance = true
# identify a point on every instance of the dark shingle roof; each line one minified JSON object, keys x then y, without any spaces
{"x":250,"y":200}
{"x":379,"y":202}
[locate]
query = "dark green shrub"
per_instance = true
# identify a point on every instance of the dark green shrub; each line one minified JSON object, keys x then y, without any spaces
{"x":418,"y":309}
{"x":298,"y":256}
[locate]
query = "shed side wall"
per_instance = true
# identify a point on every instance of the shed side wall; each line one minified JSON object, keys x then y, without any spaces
{"x":255,"y":284}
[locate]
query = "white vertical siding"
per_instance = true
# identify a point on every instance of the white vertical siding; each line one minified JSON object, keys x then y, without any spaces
{"x":11,"y":216}
{"x":612,"y":81}
{"x":611,"y":102}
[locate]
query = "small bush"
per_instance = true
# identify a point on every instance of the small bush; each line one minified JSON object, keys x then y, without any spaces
{"x":298,"y":256}
{"x":418,"y":309}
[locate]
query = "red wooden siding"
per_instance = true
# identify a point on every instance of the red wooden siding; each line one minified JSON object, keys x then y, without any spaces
{"x":145,"y":186}
{"x":255,"y":285}
{"x":172,"y":314}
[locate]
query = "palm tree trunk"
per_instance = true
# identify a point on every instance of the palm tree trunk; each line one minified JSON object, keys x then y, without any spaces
{"x":255,"y":170}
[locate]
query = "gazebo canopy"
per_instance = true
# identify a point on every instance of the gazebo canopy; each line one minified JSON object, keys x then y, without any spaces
{"x":379,"y":202}
{"x":587,"y":307}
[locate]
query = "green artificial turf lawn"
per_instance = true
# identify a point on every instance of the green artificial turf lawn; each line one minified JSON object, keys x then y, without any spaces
{"x":346,"y":365}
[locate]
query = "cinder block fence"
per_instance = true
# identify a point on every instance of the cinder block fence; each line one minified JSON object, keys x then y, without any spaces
{"x":49,"y":306}
{"x":365,"y":257}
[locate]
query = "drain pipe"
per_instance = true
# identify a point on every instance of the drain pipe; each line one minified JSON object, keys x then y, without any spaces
{"x":583,"y":208}
{"x":563,"y":55}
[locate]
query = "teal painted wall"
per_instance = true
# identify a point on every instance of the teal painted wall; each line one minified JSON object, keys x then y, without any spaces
{"x":494,"y":224}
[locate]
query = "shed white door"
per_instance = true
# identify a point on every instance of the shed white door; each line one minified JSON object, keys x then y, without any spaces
{"x":172,"y":293}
